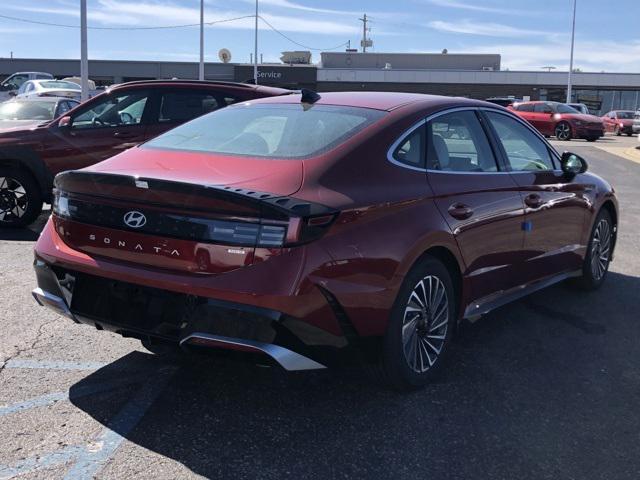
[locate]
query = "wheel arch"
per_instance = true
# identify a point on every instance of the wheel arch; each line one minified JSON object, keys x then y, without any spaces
{"x":453,"y":264}
{"x":30,"y":162}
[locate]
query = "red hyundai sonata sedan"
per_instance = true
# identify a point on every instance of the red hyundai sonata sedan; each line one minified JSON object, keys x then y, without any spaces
{"x":314,"y":230}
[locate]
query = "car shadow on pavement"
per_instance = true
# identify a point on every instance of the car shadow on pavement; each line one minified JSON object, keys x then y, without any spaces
{"x":542,"y":388}
{"x":29,"y":233}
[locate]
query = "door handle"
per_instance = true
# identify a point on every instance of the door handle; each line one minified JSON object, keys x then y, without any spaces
{"x":533,"y":200}
{"x":124,"y":134}
{"x":460,"y":211}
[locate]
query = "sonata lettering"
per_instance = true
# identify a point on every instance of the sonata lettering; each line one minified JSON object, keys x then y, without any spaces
{"x":138,"y":246}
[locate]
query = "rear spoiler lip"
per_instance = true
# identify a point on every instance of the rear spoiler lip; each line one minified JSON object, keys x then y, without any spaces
{"x":282,"y":204}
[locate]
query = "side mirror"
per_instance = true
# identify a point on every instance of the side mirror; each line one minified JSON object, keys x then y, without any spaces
{"x":64,"y":122}
{"x":13,"y":93}
{"x":573,"y":164}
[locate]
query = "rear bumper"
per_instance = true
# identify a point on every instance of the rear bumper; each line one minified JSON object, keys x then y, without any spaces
{"x":191,"y":321}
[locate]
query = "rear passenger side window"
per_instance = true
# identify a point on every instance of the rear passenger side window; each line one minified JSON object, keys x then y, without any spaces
{"x":524,"y":150}
{"x":410,"y":152}
{"x":457,"y":143}
{"x":182,"y":106}
{"x":527,"y":107}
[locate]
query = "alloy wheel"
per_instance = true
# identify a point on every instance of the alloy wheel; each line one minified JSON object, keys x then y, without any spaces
{"x":13,"y":199}
{"x":425,"y":323}
{"x":563,"y":131}
{"x":600,"y":249}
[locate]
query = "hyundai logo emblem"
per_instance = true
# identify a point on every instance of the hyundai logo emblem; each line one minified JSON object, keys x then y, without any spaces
{"x":134,"y":219}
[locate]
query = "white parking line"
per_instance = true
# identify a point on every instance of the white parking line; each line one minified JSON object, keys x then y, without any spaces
{"x":54,"y":364}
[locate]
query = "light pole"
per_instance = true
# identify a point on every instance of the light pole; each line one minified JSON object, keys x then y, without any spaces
{"x":84,"y":59}
{"x":573,"y":39}
{"x":201,"y":69}
{"x":255,"y":50}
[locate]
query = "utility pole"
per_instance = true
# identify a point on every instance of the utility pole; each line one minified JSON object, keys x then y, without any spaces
{"x":573,"y":38}
{"x":255,"y":50}
{"x":201,"y":69}
{"x":365,"y":42}
{"x":84,"y":59}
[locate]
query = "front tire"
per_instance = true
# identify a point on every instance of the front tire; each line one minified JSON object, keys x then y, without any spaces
{"x":420,"y":328}
{"x":563,"y":131}
{"x":20,"y":198}
{"x":598,"y":258}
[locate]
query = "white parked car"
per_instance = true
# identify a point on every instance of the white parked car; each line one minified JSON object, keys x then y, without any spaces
{"x":50,"y":88}
{"x":636,"y":124}
{"x":10,"y":85}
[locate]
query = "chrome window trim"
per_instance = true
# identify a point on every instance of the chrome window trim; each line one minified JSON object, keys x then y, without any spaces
{"x":399,"y":141}
{"x":554,"y":154}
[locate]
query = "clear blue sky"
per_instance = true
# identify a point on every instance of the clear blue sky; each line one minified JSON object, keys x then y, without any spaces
{"x":528,"y":33}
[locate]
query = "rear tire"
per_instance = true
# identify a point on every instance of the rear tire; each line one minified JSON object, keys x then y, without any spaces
{"x":20,"y":198}
{"x":563,"y":131}
{"x":596,"y":262}
{"x":420,"y":328}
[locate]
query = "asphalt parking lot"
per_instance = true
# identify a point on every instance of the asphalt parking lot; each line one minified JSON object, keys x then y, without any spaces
{"x":545,"y":388}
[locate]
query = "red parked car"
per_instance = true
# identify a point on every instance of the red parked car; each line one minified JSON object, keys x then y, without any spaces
{"x":619,"y":122}
{"x":118,"y":119}
{"x":318,"y":229}
{"x":560,"y":120}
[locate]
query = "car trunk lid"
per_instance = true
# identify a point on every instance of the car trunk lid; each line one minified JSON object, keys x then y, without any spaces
{"x":199,"y":228}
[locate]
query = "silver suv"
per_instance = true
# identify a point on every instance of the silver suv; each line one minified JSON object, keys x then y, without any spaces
{"x":636,"y":123}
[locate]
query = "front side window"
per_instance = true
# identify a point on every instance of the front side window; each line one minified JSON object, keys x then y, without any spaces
{"x":14,"y":82}
{"x":543,"y":108}
{"x":524,"y":150}
{"x":411,"y":149}
{"x":272,"y":131}
{"x":113,"y":111}
{"x":456,"y":142}
{"x":185,"y":105}
{"x":562,"y":108}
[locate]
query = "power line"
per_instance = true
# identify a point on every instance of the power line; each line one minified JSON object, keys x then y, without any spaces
{"x":164,"y":27}
{"x":161,"y":27}
{"x":297,"y":43}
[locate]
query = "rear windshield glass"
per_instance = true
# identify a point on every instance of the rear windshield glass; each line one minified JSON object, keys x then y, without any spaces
{"x":271,"y":131}
{"x":27,"y":110}
{"x":59,"y":84}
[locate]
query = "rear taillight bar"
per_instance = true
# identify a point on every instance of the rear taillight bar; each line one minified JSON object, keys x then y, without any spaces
{"x":263,"y":233}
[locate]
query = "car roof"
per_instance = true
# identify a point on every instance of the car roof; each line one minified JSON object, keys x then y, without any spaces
{"x":27,"y":72}
{"x":386,"y":101}
{"x":201,"y":83}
